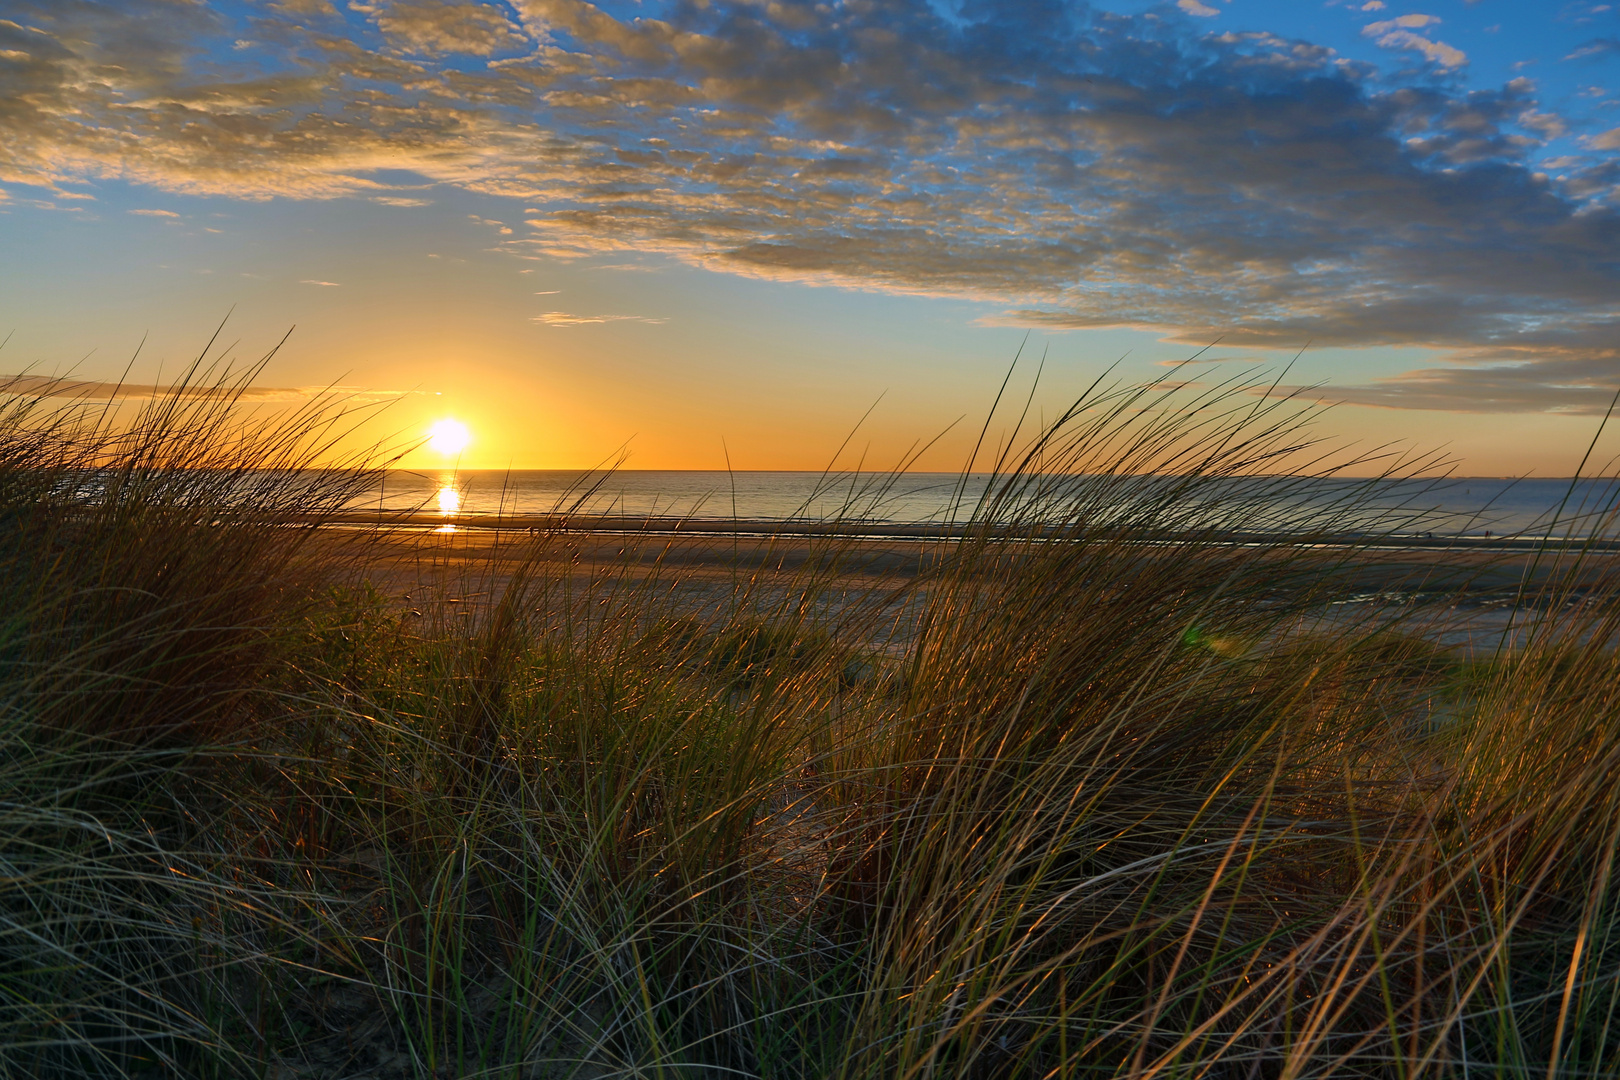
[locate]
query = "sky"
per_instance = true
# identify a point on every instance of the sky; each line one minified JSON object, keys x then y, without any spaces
{"x":712,"y":232}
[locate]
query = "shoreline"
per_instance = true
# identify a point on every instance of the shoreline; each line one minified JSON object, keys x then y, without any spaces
{"x":770,"y":528}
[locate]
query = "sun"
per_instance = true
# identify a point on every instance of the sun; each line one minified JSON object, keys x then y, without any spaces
{"x":448,"y":437}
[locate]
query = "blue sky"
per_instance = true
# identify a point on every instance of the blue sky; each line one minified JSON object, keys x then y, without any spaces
{"x":659,"y":224}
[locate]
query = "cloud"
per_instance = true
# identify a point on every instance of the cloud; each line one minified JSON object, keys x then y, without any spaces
{"x":145,"y":213}
{"x":1595,"y":49}
{"x":499,"y":226}
{"x":1547,"y":125}
{"x":314,"y":281}
{"x":1584,"y":387}
{"x":305,"y":7}
{"x":1074,"y":167}
{"x":1403,"y":22}
{"x":436,"y":28}
{"x":1606,"y":140}
{"x":1193,"y":7}
{"x":563,"y":318}
{"x":1397,"y":33}
{"x":49,"y":386}
{"x":1437,"y":51}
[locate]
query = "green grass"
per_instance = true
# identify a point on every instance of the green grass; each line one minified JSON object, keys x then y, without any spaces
{"x":1104,"y":798}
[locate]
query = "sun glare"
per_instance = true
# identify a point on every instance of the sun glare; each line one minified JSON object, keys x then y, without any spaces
{"x":448,"y":437}
{"x":449,"y":505}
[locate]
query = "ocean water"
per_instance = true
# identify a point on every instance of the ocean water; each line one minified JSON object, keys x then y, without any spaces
{"x":1454,"y":507}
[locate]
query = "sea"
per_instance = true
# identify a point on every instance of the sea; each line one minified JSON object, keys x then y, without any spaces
{"x":1471,"y":507}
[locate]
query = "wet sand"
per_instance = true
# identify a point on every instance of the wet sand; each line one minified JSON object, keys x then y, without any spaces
{"x":1457,"y":593}
{"x":858,"y":585}
{"x":402,"y":557}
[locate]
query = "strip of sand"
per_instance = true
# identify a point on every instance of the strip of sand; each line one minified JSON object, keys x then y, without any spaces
{"x":1468,"y":583}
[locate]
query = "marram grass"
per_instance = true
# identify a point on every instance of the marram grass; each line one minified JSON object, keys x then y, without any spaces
{"x":1092,"y":793}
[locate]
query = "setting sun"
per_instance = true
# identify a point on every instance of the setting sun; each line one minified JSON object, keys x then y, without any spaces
{"x":448,"y":437}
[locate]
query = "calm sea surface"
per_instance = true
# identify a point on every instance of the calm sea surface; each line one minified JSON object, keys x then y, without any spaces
{"x":1452,"y":507}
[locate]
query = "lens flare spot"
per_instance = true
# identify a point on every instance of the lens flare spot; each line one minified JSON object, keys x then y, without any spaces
{"x":448,"y":437}
{"x":1223,"y":645}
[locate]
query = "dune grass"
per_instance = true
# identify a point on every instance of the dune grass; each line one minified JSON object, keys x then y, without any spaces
{"x":1092,"y":793}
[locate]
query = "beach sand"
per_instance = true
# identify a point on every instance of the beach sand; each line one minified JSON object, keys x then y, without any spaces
{"x":1456,"y":594}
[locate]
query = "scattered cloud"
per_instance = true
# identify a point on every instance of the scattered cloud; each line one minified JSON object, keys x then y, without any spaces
{"x":313,"y":281}
{"x":1373,"y":5}
{"x":1548,"y":125}
{"x":1397,"y":33}
{"x":49,"y":386}
{"x":1606,"y":140}
{"x":499,"y":226}
{"x":154,"y":213}
{"x":563,"y":318}
{"x":1580,"y":387}
{"x":305,"y":7}
{"x":1595,"y":49}
{"x":1072,"y":166}
{"x":435,"y":28}
{"x":1193,"y":7}
{"x":400,"y":200}
{"x":548,"y":292}
{"x":1403,"y":22}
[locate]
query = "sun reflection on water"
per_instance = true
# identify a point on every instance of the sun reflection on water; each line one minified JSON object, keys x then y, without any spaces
{"x":449,"y":506}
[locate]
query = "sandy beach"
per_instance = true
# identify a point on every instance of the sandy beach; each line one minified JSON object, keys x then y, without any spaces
{"x":1459,"y":593}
